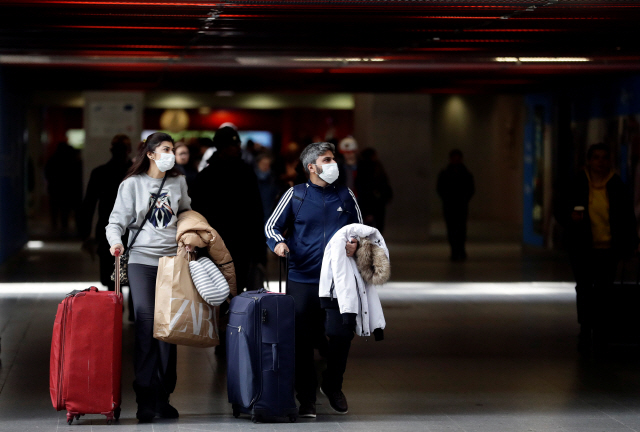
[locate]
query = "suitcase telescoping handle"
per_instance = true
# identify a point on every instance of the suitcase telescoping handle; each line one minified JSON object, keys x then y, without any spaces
{"x":117,"y":278}
{"x":286,"y":270}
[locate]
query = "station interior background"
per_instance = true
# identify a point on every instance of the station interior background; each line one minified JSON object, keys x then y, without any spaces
{"x":521,"y":87}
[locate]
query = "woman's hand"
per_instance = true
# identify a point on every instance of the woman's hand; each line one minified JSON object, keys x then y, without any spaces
{"x":189,"y":248}
{"x":351,"y":246}
{"x":118,"y":247}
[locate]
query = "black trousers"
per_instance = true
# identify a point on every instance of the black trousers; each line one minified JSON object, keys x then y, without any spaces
{"x":456,"y":220}
{"x":595,"y":272}
{"x":311,"y":319}
{"x":154,"y":360}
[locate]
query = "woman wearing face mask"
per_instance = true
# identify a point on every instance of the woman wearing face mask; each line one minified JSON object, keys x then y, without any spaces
{"x":149,"y":200}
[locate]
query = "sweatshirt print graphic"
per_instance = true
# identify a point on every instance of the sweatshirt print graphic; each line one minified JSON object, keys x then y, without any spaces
{"x":162,"y":213}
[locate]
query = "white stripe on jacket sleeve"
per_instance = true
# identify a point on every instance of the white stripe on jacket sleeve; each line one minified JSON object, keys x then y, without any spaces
{"x":357,"y":207}
{"x":269,"y":226}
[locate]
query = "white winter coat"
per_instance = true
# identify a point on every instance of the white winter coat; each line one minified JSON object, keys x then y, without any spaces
{"x":353,"y":295}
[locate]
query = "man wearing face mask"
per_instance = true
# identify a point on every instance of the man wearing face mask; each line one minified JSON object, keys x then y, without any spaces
{"x":311,"y":213}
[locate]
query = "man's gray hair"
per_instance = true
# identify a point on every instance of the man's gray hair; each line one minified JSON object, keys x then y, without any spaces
{"x":312,"y":152}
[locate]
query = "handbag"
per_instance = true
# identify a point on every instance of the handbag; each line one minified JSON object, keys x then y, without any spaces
{"x":123,"y":269}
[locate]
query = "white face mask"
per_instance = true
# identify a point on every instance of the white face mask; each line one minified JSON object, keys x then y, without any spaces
{"x":329,"y":172}
{"x":166,"y":161}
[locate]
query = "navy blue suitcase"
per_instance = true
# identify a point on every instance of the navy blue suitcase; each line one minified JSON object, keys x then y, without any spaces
{"x":261,"y":356}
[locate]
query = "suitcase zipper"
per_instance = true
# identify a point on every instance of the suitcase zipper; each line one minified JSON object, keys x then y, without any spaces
{"x":259,"y":344}
{"x":65,"y":310}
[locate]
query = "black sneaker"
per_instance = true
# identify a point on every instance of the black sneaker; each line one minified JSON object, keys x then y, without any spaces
{"x":337,"y":400}
{"x":307,"y":410}
{"x":166,"y":410}
{"x":145,"y":401}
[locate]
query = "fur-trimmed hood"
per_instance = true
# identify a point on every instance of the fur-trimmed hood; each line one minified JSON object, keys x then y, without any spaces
{"x":373,"y":263}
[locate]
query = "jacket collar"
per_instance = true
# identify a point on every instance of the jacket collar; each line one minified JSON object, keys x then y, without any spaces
{"x":320,"y":188}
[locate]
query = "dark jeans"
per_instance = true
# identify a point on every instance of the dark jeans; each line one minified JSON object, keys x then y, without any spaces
{"x":595,"y":272}
{"x":456,"y":220}
{"x":154,"y":360}
{"x":310,"y":319}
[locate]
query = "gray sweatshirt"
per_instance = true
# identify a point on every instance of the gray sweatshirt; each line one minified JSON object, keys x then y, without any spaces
{"x":158,"y":237}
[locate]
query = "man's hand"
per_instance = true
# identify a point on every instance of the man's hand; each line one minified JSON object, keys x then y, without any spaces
{"x":281,"y":249}
{"x":351,"y":246}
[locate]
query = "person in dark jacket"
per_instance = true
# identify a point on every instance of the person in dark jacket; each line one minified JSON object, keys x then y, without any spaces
{"x":601,"y":228}
{"x":63,"y":172}
{"x":374,"y":190}
{"x":311,"y":213}
{"x":102,"y":191}
{"x":226,"y":193}
{"x":456,"y":187}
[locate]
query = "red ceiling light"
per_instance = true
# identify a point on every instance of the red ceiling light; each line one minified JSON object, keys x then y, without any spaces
{"x":126,"y":27}
{"x":119,"y":3}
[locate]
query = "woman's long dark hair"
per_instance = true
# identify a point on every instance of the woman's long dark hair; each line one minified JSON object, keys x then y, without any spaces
{"x":142,"y":162}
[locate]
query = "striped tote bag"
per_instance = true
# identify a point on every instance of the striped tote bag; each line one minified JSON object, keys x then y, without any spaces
{"x":209,"y":281}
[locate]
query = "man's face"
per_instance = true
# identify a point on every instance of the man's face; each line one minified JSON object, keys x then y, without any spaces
{"x":325,"y":158}
{"x":600,"y":162}
{"x":455,"y":159}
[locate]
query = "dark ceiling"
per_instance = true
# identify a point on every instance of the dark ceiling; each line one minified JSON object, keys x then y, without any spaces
{"x":316,"y":45}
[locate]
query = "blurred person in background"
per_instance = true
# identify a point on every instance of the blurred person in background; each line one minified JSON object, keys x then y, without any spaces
{"x":63,"y":172}
{"x":348,"y":149}
{"x":183,"y":163}
{"x":270,"y":190}
{"x":374,"y":190}
{"x":207,"y":149}
{"x":598,"y":216}
{"x":455,"y":188}
{"x":290,"y":168}
{"x":250,"y":152}
{"x":102,"y":191}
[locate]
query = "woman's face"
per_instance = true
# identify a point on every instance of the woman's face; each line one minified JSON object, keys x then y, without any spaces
{"x":164,"y":147}
{"x":182,"y":155}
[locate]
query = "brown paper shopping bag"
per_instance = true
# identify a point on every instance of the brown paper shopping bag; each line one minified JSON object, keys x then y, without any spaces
{"x":181,"y":316}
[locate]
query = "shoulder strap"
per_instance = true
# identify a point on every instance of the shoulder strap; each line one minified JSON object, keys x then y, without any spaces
{"x":299,"y":194}
{"x":148,"y":214}
{"x":344,"y":195}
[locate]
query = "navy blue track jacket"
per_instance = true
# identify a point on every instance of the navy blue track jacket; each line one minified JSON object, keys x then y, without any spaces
{"x":321,"y":215}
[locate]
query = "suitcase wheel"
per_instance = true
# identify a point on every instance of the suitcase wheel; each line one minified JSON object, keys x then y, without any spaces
{"x":255,"y":418}
{"x":69,"y":422}
{"x":236,"y":412}
{"x":109,"y":422}
{"x":293,"y":418}
{"x":77,"y":416}
{"x":116,"y":413}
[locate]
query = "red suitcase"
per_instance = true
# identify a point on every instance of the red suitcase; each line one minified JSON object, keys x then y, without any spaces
{"x":86,"y":354}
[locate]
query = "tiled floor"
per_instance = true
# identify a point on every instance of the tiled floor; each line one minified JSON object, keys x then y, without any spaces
{"x":457,"y":356}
